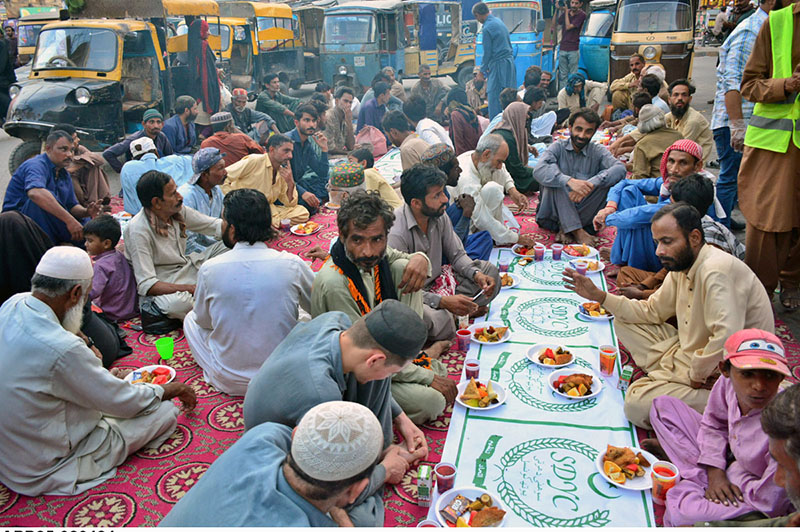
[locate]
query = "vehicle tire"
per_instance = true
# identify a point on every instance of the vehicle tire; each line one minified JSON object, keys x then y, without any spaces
{"x":23,"y":152}
{"x":464,"y":74}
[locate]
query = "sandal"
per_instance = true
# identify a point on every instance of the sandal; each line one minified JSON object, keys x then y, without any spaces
{"x":787,"y":295}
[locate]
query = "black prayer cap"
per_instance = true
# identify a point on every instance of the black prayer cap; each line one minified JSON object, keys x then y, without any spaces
{"x":397,"y":328}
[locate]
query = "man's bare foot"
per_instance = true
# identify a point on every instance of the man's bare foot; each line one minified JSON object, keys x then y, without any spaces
{"x":561,"y":238}
{"x":419,"y":454}
{"x":436,"y":349}
{"x":583,"y":237}
{"x":605,"y":254}
{"x":482,"y":310}
{"x":790,"y":298}
{"x":651,"y":445}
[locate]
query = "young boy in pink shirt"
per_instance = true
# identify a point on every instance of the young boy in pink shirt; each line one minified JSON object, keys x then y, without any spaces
{"x":113,"y":284}
{"x":717,"y":483}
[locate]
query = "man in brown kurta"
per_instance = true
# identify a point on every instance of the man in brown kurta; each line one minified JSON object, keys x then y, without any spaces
{"x":769,"y":182}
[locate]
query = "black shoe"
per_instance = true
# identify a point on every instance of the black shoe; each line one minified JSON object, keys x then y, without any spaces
{"x":713,"y":164}
{"x":159,"y":324}
{"x":737,"y":226}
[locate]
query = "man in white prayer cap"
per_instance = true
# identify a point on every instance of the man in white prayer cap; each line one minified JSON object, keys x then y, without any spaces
{"x":277,"y":477}
{"x":67,"y":422}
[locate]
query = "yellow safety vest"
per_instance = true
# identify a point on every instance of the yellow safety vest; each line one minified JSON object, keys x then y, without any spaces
{"x":774,"y":125}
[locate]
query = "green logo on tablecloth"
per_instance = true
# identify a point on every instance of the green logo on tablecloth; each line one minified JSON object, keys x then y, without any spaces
{"x":501,"y":361}
{"x":523,"y":369}
{"x":550,"y":316}
{"x":546,"y":272}
{"x":556,"y":482}
{"x":480,"y":464}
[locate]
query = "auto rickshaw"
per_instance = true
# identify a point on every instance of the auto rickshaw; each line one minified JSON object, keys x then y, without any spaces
{"x":28,"y":28}
{"x":526,"y":25}
{"x":100,"y":75}
{"x":595,"y":40}
{"x":661,"y":30}
{"x":311,"y":18}
{"x":238,"y":52}
{"x":360,"y":38}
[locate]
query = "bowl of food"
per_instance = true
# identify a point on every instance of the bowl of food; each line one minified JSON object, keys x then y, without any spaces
{"x":156,"y":374}
{"x":480,"y":395}
{"x":306,"y":229}
{"x":628,"y":468}
{"x":468,"y":506}
{"x":508,"y":280}
{"x":580,"y":250}
{"x":594,"y":311}
{"x":575,"y":384}
{"x":522,"y":251}
{"x":489,"y":333}
{"x":592,"y":266}
{"x":550,"y":356}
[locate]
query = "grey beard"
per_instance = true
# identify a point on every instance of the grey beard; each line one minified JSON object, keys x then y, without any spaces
{"x":73,"y":318}
{"x":485,"y":171}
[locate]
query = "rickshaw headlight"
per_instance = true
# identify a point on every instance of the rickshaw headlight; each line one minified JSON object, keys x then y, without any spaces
{"x":649,"y":53}
{"x":14,"y":91}
{"x":82,"y":95}
{"x":343,"y":70}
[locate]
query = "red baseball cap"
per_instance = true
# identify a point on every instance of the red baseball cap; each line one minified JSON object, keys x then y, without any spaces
{"x":756,"y":349}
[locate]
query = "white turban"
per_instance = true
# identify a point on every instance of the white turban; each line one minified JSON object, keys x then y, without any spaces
{"x":65,"y":262}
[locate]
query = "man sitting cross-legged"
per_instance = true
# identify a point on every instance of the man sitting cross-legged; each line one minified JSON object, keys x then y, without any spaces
{"x":361,"y":272}
{"x":711,"y":293}
{"x":155,"y":243}
{"x":332,"y":358}
{"x":575,"y":175}
{"x":271,"y":175}
{"x":72,"y":422}
{"x":451,"y":290}
{"x":300,"y":478}
{"x":240,"y":291}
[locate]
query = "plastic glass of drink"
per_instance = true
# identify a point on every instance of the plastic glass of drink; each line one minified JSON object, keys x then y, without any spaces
{"x":581,"y":266}
{"x":538,"y":251}
{"x":463,"y":337}
{"x":557,"y":249}
{"x":608,"y":355}
{"x":445,"y":476}
{"x":665,"y":475}
{"x":472,"y":368}
{"x":503,"y":263}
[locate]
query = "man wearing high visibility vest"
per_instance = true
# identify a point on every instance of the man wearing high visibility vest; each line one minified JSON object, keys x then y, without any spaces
{"x":769,"y":177}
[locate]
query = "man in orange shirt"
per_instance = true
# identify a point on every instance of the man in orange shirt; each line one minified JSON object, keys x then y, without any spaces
{"x":225,"y":139}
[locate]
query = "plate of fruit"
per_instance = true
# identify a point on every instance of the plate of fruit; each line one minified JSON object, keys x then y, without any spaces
{"x":581,"y":251}
{"x":306,"y":229}
{"x":594,"y":311}
{"x":628,"y":468}
{"x":468,"y":506}
{"x":156,"y":374}
{"x":480,"y":395}
{"x":550,"y":356}
{"x":489,"y":333}
{"x":576,"y":385}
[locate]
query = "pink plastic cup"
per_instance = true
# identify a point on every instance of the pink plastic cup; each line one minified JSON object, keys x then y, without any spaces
{"x":538,"y":252}
{"x":445,"y":476}
{"x":472,"y":368}
{"x":463,"y":337}
{"x":557,"y":249}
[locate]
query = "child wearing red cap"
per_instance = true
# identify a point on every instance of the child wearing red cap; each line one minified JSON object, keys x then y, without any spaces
{"x":723,"y":457}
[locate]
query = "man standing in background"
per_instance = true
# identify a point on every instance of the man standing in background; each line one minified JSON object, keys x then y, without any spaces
{"x":498,"y":60}
{"x":572,"y":20}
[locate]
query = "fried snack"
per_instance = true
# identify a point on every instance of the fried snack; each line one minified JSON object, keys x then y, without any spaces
{"x":489,"y":398}
{"x":642,"y":460}
{"x":146,"y":378}
{"x":593,"y":265}
{"x":594,"y":309}
{"x":471,"y":391}
{"x":490,"y":334}
{"x":554,"y":358}
{"x":307,"y":228}
{"x":506,"y":280}
{"x":575,"y":385}
{"x":631,"y":465}
{"x":577,"y":250}
{"x":489,"y":516}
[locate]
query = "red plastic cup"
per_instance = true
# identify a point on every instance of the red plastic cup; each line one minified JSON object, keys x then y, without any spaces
{"x":557,"y":249}
{"x":463,"y":337}
{"x":538,"y":251}
{"x":286,"y":223}
{"x":472,"y":368}
{"x":665,"y":475}
{"x":581,"y":266}
{"x":445,"y":476}
{"x":503,"y":263}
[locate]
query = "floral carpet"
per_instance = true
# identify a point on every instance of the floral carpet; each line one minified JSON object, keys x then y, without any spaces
{"x":150,"y":482}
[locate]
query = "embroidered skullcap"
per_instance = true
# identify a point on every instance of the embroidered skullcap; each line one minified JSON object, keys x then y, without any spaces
{"x":438,"y":155}
{"x":141,"y":146}
{"x":239,"y":92}
{"x":684,"y":145}
{"x":65,"y":262}
{"x":152,"y":113}
{"x":222,"y":116}
{"x":346,"y":175}
{"x":397,"y":328}
{"x":337,"y":440}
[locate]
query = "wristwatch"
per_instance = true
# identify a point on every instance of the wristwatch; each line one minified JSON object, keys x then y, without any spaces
{"x":89,"y":342}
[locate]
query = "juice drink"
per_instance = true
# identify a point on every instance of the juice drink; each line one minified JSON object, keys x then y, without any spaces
{"x":472,"y":368}
{"x":664,"y":475}
{"x":608,"y":355}
{"x":557,"y":249}
{"x":463,"y":337}
{"x":424,"y":485}
{"x":445,"y":476}
{"x":538,"y":252}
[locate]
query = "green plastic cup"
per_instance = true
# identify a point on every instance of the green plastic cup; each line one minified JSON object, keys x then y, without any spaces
{"x":165,"y":347}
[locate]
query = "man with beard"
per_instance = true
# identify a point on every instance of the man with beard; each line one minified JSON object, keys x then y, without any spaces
{"x":248,"y":120}
{"x":152,"y":123}
{"x":240,"y":291}
{"x":72,"y":422}
{"x":180,"y":129}
{"x":309,"y":158}
{"x":271,"y":175}
{"x":498,"y":57}
{"x":462,"y":287}
{"x":712,"y":295}
{"x":277,"y":105}
{"x":623,"y":89}
{"x":575,"y":175}
{"x":361,"y":272}
{"x":203,"y":193}
{"x":476,"y":91}
{"x":332,"y":358}
{"x":155,"y":244}
{"x":227,"y":140}
{"x":401,"y":134}
{"x":689,"y":123}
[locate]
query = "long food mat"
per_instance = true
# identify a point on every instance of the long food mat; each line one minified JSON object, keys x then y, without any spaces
{"x":537,"y":451}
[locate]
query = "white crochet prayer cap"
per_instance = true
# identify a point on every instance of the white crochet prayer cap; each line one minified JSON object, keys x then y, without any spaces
{"x":337,"y":440}
{"x":65,"y":262}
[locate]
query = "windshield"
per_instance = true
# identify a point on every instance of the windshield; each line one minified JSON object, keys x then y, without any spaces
{"x":225,"y":38}
{"x":637,"y":16}
{"x":348,"y":29}
{"x":598,"y":25}
{"x":265,"y":23}
{"x":81,"y":48}
{"x":26,"y":35}
{"x":511,"y":16}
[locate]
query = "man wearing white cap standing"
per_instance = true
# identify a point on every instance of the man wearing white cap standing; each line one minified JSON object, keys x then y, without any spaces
{"x":331,"y":359}
{"x":71,"y":423}
{"x":275,"y":478}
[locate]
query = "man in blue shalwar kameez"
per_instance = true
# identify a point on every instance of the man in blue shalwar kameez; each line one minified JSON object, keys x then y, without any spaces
{"x":498,"y":57}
